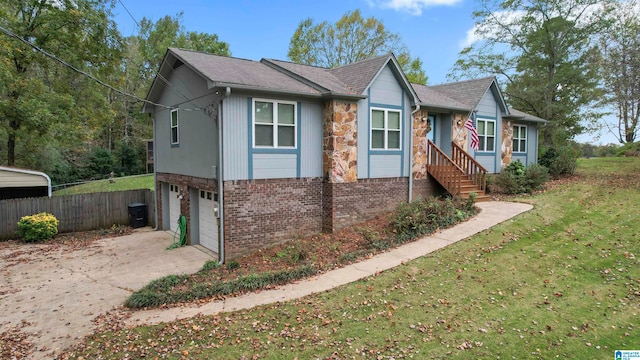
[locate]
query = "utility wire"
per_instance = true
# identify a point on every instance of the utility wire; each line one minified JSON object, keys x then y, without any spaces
{"x":64,"y":63}
{"x":128,"y":12}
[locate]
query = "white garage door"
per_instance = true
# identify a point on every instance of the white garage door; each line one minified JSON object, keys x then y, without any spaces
{"x":207,"y":214}
{"x":174,"y":207}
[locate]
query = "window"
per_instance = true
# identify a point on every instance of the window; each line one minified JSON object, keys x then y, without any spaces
{"x":274,"y":124}
{"x":174,"y":127}
{"x":486,"y":135}
{"x":385,"y":129}
{"x":519,"y":138}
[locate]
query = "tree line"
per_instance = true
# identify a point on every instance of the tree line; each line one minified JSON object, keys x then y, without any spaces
{"x":564,"y":61}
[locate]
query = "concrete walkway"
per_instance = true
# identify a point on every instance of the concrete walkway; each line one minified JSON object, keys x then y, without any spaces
{"x":492,"y":214}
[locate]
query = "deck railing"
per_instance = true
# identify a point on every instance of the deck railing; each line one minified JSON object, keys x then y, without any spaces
{"x":473,"y":170}
{"x":444,"y":169}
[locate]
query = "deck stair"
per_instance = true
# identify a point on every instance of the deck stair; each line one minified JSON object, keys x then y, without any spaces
{"x":459,"y":174}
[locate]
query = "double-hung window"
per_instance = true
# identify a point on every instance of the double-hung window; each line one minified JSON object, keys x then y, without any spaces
{"x":274,"y":124}
{"x":385,"y":129}
{"x":175,"y":140}
{"x":486,"y":134}
{"x":519,"y":138}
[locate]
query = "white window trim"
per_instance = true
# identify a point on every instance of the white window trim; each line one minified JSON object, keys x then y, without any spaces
{"x":274,"y":124}
{"x":177,"y":127}
{"x":386,"y":129}
{"x":483,"y":137}
{"x":526,"y":134}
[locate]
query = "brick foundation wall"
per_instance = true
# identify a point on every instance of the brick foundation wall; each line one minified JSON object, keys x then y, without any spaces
{"x":423,"y":188}
{"x":260,"y":213}
{"x":346,"y":204}
{"x":184,"y":182}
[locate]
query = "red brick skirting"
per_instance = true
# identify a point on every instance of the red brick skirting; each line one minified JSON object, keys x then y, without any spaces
{"x":259,"y":213}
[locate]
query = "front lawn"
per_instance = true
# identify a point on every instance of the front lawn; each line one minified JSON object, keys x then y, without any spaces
{"x":561,"y":281}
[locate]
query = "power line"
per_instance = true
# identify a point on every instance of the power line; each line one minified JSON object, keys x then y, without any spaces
{"x":82,"y":72}
{"x":128,"y":12}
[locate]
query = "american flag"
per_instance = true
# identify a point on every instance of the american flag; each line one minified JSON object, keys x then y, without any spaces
{"x":475,"y":141}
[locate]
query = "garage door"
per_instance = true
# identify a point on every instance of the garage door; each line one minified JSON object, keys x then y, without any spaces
{"x":207,"y":217}
{"x":174,"y":207}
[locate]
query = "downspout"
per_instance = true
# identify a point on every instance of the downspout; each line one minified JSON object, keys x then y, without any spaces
{"x":155,"y":176}
{"x":221,"y":177}
{"x":411,"y":152}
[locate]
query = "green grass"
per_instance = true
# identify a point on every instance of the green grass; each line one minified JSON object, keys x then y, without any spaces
{"x":118,"y":184}
{"x":561,"y":281}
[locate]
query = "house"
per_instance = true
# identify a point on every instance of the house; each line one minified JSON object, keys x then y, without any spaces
{"x":254,"y":153}
{"x":21,"y":183}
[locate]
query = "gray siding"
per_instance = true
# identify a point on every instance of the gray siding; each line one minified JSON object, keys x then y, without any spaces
{"x":236,"y":138}
{"x":363,"y":139}
{"x":274,"y":166}
{"x":197,"y":152}
{"x":385,"y":89}
{"x":487,"y":106}
{"x":385,"y":166}
{"x":311,"y":140}
{"x":488,"y":162}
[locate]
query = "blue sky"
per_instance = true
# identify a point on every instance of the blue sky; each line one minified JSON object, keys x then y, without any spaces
{"x":434,"y":30}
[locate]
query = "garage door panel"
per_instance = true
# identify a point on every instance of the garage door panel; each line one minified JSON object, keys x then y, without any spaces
{"x":208,"y":221}
{"x":174,"y":207}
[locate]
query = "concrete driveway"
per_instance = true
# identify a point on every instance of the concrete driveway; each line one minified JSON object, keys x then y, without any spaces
{"x":54,"y":294}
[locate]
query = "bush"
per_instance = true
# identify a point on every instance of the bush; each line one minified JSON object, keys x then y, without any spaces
{"x":565,"y":162}
{"x":535,"y":177}
{"x":39,"y":227}
{"x":422,"y":217}
{"x":548,"y":157}
{"x":516,"y":179}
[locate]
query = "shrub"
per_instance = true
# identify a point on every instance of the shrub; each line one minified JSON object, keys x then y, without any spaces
{"x":548,"y":157}
{"x":565,"y":162}
{"x":422,"y":217}
{"x":516,"y":179}
{"x":535,"y":177}
{"x":39,"y":227}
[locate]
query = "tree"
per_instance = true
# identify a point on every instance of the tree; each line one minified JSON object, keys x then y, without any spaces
{"x":39,"y":96}
{"x":352,"y":38}
{"x":546,"y":51}
{"x":621,"y":69}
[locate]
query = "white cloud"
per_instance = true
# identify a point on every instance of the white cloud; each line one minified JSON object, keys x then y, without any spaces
{"x":414,"y":7}
{"x":479,"y":32}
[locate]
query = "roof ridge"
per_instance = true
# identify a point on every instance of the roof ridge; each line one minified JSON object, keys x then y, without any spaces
{"x":463,"y":81}
{"x":295,"y":63}
{"x":362,"y":61}
{"x":210,"y":54}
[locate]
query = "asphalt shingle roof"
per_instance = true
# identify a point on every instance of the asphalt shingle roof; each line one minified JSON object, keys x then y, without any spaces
{"x":434,"y":98}
{"x":468,"y":92}
{"x":228,"y":70}
{"x":358,"y":76}
{"x":517,"y":114}
{"x":318,"y":75}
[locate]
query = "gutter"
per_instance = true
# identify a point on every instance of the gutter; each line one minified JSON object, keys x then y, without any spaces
{"x":324,"y":95}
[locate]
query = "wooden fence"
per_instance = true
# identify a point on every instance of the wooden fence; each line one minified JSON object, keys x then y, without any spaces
{"x":77,"y":212}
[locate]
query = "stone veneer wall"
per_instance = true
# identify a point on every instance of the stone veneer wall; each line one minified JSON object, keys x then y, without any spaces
{"x":340,"y":140}
{"x":184,"y":182}
{"x":459,"y":133}
{"x":260,"y":213}
{"x":506,"y":152}
{"x":420,"y":130}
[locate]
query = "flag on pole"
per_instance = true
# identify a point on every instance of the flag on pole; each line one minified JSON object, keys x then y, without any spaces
{"x":475,"y":141}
